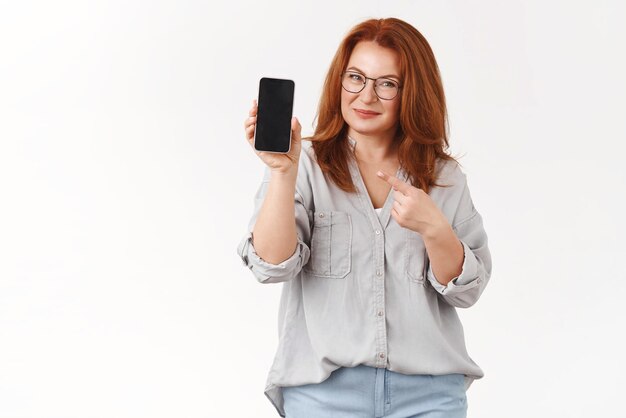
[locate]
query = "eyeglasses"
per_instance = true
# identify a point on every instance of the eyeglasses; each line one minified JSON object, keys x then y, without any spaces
{"x":385,"y":88}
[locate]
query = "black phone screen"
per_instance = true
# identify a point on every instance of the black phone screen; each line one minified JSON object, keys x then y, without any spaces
{"x":273,"y":123}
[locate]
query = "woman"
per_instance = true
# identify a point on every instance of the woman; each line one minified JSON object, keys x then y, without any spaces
{"x":374,"y":235}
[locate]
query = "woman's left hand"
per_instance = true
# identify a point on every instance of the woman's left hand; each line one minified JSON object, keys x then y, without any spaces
{"x":413,"y":208}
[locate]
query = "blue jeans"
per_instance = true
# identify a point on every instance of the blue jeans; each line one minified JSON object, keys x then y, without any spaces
{"x":368,"y":392}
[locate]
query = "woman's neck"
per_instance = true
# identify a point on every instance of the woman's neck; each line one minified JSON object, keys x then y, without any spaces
{"x":370,"y":149}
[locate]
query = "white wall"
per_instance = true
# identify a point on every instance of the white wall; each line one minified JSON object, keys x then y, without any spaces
{"x":126,"y":185}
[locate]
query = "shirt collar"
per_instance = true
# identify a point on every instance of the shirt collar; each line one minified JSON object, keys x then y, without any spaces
{"x":352,"y":142}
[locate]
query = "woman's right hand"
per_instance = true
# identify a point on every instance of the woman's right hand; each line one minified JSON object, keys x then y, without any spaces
{"x":280,"y":163}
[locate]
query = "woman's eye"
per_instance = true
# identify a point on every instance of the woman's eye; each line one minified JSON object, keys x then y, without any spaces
{"x":356,"y":77}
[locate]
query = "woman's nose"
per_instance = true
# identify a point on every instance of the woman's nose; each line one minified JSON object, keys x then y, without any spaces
{"x":368,"y":94}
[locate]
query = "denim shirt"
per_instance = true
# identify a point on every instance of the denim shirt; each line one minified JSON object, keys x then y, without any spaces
{"x":359,"y":288}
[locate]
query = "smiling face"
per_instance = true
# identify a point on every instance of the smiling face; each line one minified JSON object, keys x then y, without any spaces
{"x":365,"y":113}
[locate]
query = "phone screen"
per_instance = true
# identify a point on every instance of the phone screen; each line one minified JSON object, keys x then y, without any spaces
{"x":273,"y":123}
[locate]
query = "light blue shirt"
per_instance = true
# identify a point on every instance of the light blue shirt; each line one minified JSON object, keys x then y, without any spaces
{"x":359,"y":288}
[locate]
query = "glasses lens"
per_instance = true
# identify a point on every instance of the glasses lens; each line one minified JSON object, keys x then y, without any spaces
{"x":353,"y":82}
{"x":386,"y":89}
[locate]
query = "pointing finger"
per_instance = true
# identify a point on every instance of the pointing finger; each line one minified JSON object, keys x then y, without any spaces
{"x":400,"y":197}
{"x":395,"y":182}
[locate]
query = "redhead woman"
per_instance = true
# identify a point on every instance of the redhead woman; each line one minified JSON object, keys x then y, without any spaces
{"x":371,"y":229}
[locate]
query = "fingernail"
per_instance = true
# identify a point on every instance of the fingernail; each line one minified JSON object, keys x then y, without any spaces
{"x":379,"y":173}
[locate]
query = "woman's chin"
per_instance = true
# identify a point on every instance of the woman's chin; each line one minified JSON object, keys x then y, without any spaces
{"x":365,"y":130}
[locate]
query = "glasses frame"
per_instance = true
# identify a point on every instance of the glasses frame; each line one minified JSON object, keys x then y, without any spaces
{"x":365,"y":84}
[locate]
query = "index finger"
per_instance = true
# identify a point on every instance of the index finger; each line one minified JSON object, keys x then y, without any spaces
{"x":395,"y":182}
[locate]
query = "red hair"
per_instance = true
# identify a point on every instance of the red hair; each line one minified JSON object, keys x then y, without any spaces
{"x":422,"y":128}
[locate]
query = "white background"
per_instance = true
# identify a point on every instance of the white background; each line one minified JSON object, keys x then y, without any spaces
{"x":126,"y":184}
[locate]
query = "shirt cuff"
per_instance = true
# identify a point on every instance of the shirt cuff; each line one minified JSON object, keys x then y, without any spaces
{"x":466,"y":280}
{"x":269,"y":272}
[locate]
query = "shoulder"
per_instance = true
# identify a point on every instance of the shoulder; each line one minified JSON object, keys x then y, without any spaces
{"x":449,"y":172}
{"x":451,"y":184}
{"x":308,"y":173}
{"x":308,"y":161}
{"x":307,"y":154}
{"x":454,"y":200}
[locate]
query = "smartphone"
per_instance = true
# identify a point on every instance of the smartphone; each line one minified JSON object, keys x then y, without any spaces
{"x":273,"y":121}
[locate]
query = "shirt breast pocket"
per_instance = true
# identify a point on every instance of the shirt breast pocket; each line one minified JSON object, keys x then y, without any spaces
{"x":331,"y":245}
{"x":415,"y":258}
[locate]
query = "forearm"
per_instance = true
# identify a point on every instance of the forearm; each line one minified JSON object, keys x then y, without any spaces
{"x":445,"y":253}
{"x":274,"y":235}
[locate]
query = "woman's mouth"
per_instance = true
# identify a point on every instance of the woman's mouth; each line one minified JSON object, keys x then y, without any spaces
{"x":366,"y":114}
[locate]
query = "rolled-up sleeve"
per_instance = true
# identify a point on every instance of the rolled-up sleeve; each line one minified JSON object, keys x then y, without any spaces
{"x":288,"y":269}
{"x":464,"y":290}
{"x":272,"y":273}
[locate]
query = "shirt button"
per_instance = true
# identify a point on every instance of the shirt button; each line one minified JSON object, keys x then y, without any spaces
{"x":381,"y":355}
{"x":380,"y":313}
{"x":322,"y":215}
{"x":377,"y":232}
{"x":378,"y":273}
